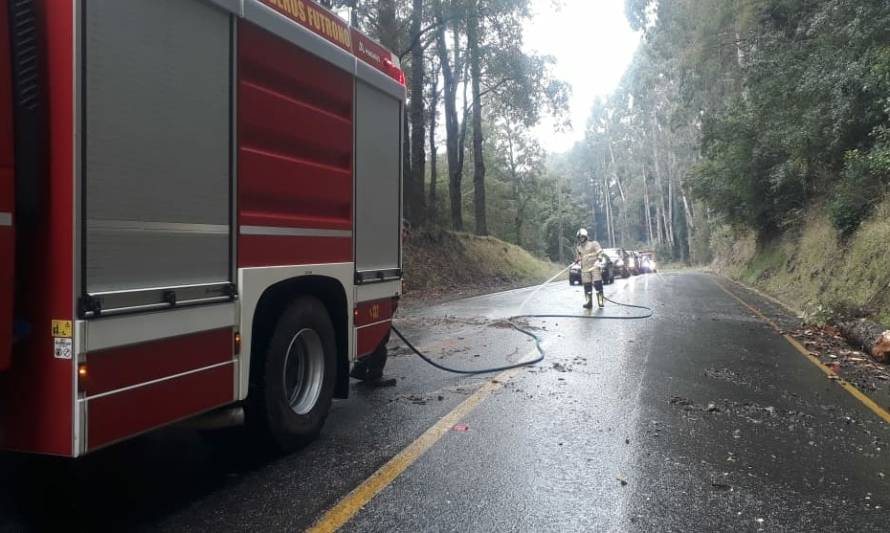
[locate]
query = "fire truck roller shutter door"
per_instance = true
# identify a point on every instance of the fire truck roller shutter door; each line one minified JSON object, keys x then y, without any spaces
{"x":158,"y":152}
{"x":378,"y":179}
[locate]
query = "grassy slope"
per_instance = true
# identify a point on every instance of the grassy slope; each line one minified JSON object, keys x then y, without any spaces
{"x":447,"y":260}
{"x":814,"y":271}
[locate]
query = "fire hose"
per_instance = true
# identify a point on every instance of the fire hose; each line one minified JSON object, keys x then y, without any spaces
{"x":538,"y":343}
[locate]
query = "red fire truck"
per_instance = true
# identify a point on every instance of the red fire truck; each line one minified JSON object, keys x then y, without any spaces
{"x":199,"y":207}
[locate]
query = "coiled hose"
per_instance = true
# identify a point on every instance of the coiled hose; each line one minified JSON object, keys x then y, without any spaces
{"x":538,"y":346}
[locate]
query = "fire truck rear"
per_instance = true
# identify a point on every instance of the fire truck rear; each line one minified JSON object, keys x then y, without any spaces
{"x":199,"y":207}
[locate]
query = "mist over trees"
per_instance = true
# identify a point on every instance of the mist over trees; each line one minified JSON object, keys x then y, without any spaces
{"x":470,"y":82}
{"x":742,"y":114}
{"x":733,"y":113}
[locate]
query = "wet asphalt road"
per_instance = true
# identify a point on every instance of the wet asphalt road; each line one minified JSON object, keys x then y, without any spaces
{"x":701,"y":418}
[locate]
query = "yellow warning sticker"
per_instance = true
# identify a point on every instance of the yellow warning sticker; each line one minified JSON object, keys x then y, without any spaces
{"x":62,"y":328}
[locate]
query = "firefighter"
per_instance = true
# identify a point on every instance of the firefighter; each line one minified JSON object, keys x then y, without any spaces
{"x":588,"y":253}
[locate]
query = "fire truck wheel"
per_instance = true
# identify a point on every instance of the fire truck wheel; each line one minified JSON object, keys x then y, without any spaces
{"x":293,"y":394}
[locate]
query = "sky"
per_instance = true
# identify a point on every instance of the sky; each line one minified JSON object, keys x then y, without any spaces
{"x":593,"y":46}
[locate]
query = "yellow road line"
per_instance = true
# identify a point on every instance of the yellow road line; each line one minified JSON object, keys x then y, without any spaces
{"x":847,"y":386}
{"x":353,"y":502}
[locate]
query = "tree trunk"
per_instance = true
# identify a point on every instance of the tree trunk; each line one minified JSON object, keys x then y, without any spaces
{"x":593,"y":196}
{"x":659,"y":232}
{"x":451,"y":126}
{"x":670,"y":211}
{"x":433,"y":207}
{"x":387,"y":25}
{"x":514,"y":180}
{"x":870,"y":336}
{"x":661,"y":208}
{"x":672,"y":195}
{"x":417,"y":198}
{"x":353,"y":13}
{"x":388,"y":34}
{"x":607,"y":204}
{"x":478,"y":158}
{"x":624,"y":228}
{"x":648,"y":208}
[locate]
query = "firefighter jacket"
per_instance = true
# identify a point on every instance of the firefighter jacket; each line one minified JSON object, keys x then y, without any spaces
{"x":588,"y":253}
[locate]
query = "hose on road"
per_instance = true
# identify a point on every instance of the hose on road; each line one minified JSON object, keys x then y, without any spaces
{"x":533,"y":336}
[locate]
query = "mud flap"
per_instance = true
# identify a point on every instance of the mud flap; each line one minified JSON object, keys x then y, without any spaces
{"x":370,"y":368}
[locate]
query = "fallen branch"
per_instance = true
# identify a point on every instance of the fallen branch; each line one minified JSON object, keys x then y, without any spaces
{"x":870,"y":336}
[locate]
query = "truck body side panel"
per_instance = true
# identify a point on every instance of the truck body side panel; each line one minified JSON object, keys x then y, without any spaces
{"x":120,"y":416}
{"x":131,"y":389}
{"x":295,"y":139}
{"x":7,"y":193}
{"x":37,"y":392}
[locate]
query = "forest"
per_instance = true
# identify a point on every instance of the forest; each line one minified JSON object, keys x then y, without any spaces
{"x":734,"y":114}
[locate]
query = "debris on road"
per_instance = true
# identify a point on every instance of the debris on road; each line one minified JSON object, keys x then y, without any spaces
{"x":416,"y":400}
{"x":830,"y":346}
{"x":679,"y":400}
{"x":559,"y":367}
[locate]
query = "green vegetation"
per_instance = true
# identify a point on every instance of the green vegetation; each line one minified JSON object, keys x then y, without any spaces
{"x":754,"y":133}
{"x":863,"y":184}
{"x":815,"y":270}
{"x":475,"y":93}
{"x":775,"y":118}
{"x":748,"y":113}
{"x":466,"y":70}
{"x":446,"y":260}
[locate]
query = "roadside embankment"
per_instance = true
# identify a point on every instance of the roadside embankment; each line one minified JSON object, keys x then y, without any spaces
{"x":439,"y":263}
{"x":839,"y":287}
{"x":813,"y":270}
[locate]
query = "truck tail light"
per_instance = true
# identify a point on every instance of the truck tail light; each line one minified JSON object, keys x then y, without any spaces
{"x":237,"y":343}
{"x":393,"y":67}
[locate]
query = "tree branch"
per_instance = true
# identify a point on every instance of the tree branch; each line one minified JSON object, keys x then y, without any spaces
{"x":416,"y":40}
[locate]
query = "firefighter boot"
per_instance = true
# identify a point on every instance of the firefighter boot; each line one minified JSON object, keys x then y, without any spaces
{"x":588,"y":296}
{"x":601,"y":299}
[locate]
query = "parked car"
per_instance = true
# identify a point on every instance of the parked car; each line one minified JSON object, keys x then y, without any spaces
{"x":619,"y":259}
{"x":575,"y":274}
{"x":607,"y":268}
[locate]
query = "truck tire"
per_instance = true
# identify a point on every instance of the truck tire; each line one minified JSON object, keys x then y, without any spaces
{"x":370,"y":368}
{"x":292,"y":390}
